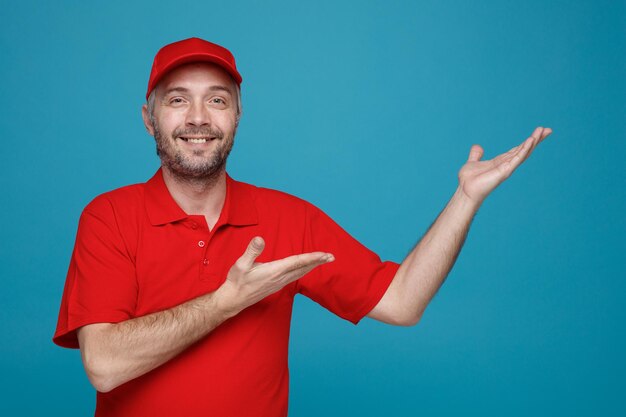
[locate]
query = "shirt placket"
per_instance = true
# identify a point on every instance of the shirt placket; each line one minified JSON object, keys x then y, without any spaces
{"x":202,"y":241}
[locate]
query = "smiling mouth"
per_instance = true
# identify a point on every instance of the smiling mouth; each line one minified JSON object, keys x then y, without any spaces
{"x":196,"y":140}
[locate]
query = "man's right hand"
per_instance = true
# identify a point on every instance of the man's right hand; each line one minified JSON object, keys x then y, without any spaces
{"x":248,"y":281}
{"x":114,"y":353}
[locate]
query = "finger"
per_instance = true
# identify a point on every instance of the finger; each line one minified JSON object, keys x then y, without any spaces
{"x":296,"y":262}
{"x":507,"y":155}
{"x":254,"y":249}
{"x":546,"y":132}
{"x":476,"y":152}
{"x":531,"y":140}
{"x":297,"y":273}
{"x":538,"y":136}
{"x":514,"y":160}
{"x":525,"y":147}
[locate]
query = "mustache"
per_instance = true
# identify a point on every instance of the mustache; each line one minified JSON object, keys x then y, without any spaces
{"x":200,"y":131}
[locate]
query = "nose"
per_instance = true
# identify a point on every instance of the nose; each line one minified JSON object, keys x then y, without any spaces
{"x":198,"y":115}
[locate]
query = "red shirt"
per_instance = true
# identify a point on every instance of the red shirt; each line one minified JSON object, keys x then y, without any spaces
{"x":137,"y":252}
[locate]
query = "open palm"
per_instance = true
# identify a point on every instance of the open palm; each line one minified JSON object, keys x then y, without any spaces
{"x":478,"y":178}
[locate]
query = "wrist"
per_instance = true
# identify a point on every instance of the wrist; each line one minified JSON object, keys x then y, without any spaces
{"x":465,"y":203}
{"x":225,"y":301}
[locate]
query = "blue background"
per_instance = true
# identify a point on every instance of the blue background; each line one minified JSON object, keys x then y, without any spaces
{"x":368,"y":110}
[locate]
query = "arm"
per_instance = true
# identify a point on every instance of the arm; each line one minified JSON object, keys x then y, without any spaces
{"x":425,"y":268}
{"x":116,"y":353}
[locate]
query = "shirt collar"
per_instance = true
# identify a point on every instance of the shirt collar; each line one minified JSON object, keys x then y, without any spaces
{"x":238,"y":207}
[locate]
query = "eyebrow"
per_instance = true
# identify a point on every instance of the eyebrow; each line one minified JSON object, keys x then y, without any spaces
{"x":186,"y":90}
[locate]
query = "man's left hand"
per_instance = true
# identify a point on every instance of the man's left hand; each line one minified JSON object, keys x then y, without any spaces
{"x":478,"y":178}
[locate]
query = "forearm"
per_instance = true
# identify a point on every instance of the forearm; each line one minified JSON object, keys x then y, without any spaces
{"x":424,"y":270}
{"x":117,"y":353}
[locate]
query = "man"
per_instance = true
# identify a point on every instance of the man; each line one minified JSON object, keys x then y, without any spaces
{"x":179,"y":291}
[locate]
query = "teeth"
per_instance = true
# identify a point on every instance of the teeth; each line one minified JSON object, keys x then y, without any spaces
{"x":198,"y":140}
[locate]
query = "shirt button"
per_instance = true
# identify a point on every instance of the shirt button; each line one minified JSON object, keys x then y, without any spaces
{"x":201,"y":243}
{"x":205,"y":262}
{"x":194,"y":225}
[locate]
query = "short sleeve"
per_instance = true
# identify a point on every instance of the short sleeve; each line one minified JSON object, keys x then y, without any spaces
{"x":101,"y":284}
{"x":354,"y":283}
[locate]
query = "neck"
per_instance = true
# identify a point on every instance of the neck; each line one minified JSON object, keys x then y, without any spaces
{"x":201,"y":196}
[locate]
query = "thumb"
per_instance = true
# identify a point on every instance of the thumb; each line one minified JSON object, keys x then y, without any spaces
{"x":475,"y":153}
{"x":254,"y":249}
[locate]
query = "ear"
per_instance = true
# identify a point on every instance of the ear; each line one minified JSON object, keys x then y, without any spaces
{"x":146,"y":119}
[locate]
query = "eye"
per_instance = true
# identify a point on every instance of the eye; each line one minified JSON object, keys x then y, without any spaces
{"x":176,"y":100}
{"x":218,"y":100}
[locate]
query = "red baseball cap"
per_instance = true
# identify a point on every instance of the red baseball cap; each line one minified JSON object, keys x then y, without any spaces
{"x":190,"y":50}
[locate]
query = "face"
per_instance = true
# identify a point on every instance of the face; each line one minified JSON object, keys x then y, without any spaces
{"x":194,"y":120}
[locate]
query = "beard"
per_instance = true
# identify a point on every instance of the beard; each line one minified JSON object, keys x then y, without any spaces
{"x":198,"y":165}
